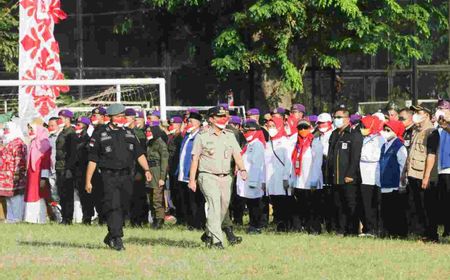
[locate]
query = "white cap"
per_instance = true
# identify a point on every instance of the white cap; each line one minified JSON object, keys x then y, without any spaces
{"x":380,"y":116}
{"x":324,"y":117}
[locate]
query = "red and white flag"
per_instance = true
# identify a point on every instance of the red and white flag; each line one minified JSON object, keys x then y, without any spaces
{"x":39,"y":57}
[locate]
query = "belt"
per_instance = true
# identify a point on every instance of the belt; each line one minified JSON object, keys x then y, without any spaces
{"x":118,"y":172}
{"x":221,"y":175}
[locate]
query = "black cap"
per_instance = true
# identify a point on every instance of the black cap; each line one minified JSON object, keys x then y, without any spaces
{"x":195,"y":116}
{"x":417,"y":108}
{"x":217,"y":111}
{"x":251,"y":125}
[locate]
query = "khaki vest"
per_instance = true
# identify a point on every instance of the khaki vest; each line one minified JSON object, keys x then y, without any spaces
{"x":418,"y":155}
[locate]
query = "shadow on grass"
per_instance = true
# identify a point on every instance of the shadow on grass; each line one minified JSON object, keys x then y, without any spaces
{"x":162,"y":242}
{"x":61,"y":245}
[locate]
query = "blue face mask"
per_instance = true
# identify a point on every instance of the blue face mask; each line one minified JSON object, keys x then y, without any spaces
{"x":338,"y":123}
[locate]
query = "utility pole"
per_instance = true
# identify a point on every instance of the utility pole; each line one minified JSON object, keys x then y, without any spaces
{"x":414,"y":74}
{"x":80,"y":50}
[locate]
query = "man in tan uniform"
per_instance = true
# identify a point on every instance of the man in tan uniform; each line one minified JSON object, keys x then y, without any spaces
{"x":211,"y":156}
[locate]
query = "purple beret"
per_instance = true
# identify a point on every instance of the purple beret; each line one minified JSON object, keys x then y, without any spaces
{"x":312,"y":118}
{"x":156,"y":114}
{"x":235,"y":120}
{"x":153,"y":123}
{"x":225,"y":106}
{"x":130,"y":112}
{"x":176,"y":119}
{"x":84,"y":120}
{"x":99,"y":110}
{"x":66,"y":113}
{"x":444,"y":104}
{"x":279,"y":110}
{"x":192,"y":110}
{"x":253,"y":112}
{"x":299,"y":108}
{"x":140,"y":114}
{"x":354,"y":118}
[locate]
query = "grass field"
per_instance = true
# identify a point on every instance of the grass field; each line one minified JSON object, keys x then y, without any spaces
{"x":77,"y":252}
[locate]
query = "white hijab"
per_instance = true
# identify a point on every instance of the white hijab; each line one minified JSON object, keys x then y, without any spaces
{"x":14,"y":132}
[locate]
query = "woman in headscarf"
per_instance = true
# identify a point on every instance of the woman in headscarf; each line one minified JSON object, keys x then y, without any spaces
{"x":370,"y":155}
{"x":39,"y":164}
{"x":13,"y":173}
{"x":278,"y":169}
{"x":307,"y":179}
{"x":251,"y":190}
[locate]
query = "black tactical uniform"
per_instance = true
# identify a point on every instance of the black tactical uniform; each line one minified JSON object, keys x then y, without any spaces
{"x":65,"y":163}
{"x":115,"y":152}
{"x":86,"y":199}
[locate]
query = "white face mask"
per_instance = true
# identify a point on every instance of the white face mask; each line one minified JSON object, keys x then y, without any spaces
{"x":221,"y":126}
{"x":273,"y":131}
{"x":417,"y":118}
{"x":323,"y":129}
{"x":190,"y":129}
{"x":250,"y":138}
{"x":338,"y":123}
{"x":388,"y":135}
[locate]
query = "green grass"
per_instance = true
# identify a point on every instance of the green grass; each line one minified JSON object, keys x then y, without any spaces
{"x":77,"y":252}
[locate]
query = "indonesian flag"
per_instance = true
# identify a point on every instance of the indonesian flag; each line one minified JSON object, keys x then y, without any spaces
{"x":39,"y":57}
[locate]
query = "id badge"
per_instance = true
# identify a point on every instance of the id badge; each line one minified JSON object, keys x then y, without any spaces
{"x":297,"y":164}
{"x":344,"y":146}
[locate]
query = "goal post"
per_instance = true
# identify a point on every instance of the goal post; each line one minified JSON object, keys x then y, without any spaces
{"x":118,"y":83}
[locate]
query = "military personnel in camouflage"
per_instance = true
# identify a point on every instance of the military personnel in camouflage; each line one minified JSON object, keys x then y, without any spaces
{"x":158,"y":158}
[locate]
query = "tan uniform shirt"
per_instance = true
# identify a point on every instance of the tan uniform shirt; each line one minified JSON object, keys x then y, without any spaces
{"x":215,"y":151}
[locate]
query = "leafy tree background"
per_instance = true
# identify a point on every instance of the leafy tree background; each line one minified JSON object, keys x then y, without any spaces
{"x":9,"y":34}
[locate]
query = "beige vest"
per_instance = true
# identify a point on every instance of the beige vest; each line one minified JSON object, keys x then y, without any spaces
{"x":418,"y":155}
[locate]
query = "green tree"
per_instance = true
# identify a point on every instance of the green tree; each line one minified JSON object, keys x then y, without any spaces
{"x":9,"y":34}
{"x":279,"y":38}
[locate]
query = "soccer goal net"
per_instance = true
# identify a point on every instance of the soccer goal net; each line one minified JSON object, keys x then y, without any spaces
{"x":83,"y":95}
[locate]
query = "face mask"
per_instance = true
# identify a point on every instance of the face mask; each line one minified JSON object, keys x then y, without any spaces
{"x":31,"y":135}
{"x":51,"y":131}
{"x":149,"y":135}
{"x":60,"y":123}
{"x":339,"y":123}
{"x":365,"y":131}
{"x":94,"y":120}
{"x":249,"y":136}
{"x":120,"y":122}
{"x":78,"y":129}
{"x":323,"y":129}
{"x":221,"y":123}
{"x":189,"y":128}
{"x":417,"y":118}
{"x":107,"y":120}
{"x":304,"y":133}
{"x":273,"y":131}
{"x":388,"y":135}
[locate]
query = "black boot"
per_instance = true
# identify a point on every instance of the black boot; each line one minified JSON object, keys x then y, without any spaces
{"x":117,"y":244}
{"x":232,"y":239}
{"x":158,"y":224}
{"x":108,"y":240}
{"x":217,"y":245}
{"x":206,"y":239}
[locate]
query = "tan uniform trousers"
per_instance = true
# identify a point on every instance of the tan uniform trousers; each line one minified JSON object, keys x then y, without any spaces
{"x":217,"y":192}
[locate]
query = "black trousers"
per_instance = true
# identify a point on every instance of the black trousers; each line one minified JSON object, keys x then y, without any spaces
{"x":97,"y":196}
{"x":392,"y":218}
{"x":196,"y":216}
{"x":423,"y":209}
{"x":265,"y":201}
{"x":66,"y":188}
{"x":329,"y":209}
{"x":116,"y":200}
{"x":444,"y":187}
{"x":282,"y":208}
{"x":345,"y":197}
{"x":177,"y":199}
{"x":369,"y":208}
{"x":86,"y":199}
{"x":138,"y":203}
{"x":307,"y":209}
{"x":237,"y":205}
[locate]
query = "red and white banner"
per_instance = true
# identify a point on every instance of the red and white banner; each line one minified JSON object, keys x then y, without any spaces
{"x":39,"y":57}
